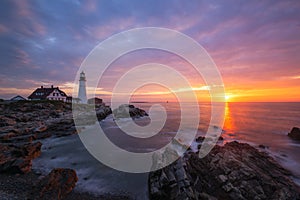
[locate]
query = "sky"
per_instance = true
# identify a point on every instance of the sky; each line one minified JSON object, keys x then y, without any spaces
{"x":255,"y":44}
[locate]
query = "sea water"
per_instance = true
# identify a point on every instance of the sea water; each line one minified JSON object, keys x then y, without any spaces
{"x":255,"y":123}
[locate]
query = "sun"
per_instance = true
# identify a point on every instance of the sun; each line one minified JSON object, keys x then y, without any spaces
{"x":227,"y":97}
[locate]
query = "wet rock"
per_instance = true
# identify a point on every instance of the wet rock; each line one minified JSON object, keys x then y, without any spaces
{"x":33,"y":150}
{"x":86,"y":115}
{"x":40,"y":129}
{"x":23,"y":122}
{"x":55,"y":186}
{"x":233,"y":171}
{"x":7,"y":136}
{"x":59,"y":128}
{"x":24,"y":118}
{"x":30,"y":120}
{"x":262,"y":146}
{"x":223,"y":178}
{"x":126,"y":111}
{"x":17,"y":159}
{"x":201,"y":139}
{"x":102,"y":112}
{"x":54,"y":114}
{"x":205,"y":196}
{"x":18,"y":139}
{"x":295,"y":133}
{"x":85,"y":119}
{"x":171,"y":182}
{"x":43,"y":135}
{"x":6,"y":121}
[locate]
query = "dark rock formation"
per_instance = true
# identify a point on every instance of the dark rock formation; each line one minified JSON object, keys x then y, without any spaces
{"x":261,"y":146}
{"x":23,"y":122}
{"x":16,"y":187}
{"x":56,"y":185}
{"x":86,"y":115}
{"x":201,"y":139}
{"x":126,"y":110}
{"x":17,"y":159}
{"x":26,"y":121}
{"x":234,"y":171}
{"x":6,"y":121}
{"x":62,"y":127}
{"x":295,"y":133}
{"x":102,"y":112}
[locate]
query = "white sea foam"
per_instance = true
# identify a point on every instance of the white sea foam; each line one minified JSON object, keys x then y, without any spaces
{"x":68,"y":152}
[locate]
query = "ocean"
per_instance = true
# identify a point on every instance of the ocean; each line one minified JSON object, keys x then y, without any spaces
{"x":264,"y":124}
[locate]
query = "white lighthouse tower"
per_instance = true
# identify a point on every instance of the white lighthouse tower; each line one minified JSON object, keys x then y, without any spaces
{"x":82,"y":88}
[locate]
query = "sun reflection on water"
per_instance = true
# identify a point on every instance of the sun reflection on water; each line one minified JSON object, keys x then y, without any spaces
{"x":229,"y":125}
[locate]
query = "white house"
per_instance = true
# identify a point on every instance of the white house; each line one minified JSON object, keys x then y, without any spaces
{"x":52,"y":93}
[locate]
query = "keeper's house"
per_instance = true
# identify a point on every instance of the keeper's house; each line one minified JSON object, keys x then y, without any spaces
{"x":52,"y":93}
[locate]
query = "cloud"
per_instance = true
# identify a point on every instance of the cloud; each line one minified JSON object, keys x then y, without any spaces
{"x":47,"y":41}
{"x":295,"y":77}
{"x":3,"y":29}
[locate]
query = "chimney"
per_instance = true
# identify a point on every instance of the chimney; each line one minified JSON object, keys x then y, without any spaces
{"x":42,"y":87}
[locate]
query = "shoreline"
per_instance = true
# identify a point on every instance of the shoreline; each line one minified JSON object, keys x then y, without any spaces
{"x":56,"y":128}
{"x":230,"y":172}
{"x":16,"y":186}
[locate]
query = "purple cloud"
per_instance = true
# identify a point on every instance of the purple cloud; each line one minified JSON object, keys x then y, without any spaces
{"x":44,"y":41}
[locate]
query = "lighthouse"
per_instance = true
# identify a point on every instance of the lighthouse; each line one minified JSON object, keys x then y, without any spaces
{"x":82,"y":88}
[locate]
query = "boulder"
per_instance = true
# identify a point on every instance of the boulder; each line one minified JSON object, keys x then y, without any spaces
{"x":17,"y":159}
{"x":200,"y":139}
{"x":56,"y":185}
{"x":233,"y":171}
{"x":295,"y":133}
{"x":102,"y":112}
{"x":127,"y":110}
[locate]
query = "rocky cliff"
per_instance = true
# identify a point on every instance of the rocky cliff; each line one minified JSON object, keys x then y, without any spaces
{"x":233,"y":171}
